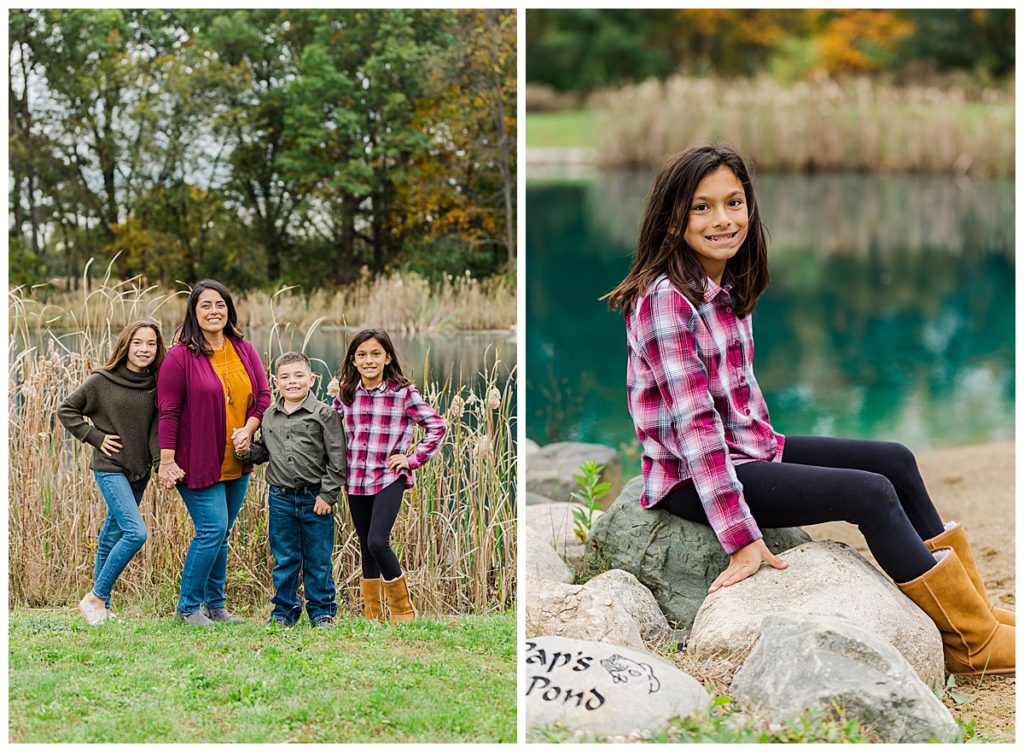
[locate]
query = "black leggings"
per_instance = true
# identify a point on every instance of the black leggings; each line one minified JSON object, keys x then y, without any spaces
{"x":873,"y":484}
{"x":374,"y":516}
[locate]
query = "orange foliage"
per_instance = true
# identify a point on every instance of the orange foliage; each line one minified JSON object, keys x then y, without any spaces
{"x":858,"y":41}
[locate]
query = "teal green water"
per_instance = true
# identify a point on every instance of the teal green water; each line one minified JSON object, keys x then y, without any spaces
{"x":890,"y":314}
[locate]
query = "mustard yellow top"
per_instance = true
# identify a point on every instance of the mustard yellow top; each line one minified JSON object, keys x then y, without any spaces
{"x":237,"y":399}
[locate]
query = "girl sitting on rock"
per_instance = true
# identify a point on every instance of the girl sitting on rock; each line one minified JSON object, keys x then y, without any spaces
{"x":711,"y":455}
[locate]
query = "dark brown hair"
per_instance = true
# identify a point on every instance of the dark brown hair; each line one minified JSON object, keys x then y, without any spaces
{"x":348,"y":376}
{"x":661,"y":248}
{"x":190,"y":334}
{"x":124,"y":341}
{"x":292,"y":357}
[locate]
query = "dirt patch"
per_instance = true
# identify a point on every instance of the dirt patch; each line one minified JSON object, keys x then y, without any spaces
{"x":973,"y":485}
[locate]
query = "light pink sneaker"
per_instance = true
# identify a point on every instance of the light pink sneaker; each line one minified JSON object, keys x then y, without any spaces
{"x":92,"y":615}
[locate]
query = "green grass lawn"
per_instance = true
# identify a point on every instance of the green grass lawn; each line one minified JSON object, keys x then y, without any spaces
{"x":158,"y":680}
{"x":570,"y":128}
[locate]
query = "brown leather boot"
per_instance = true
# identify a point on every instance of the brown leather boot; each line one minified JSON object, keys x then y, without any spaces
{"x":373,"y":599}
{"x":955,"y":538}
{"x":973,"y":642}
{"x":399,"y":602}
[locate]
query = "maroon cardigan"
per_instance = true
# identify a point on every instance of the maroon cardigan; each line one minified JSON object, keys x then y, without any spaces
{"x":190,"y":400}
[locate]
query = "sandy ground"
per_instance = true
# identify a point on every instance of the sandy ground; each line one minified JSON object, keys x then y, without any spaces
{"x":974,"y":485}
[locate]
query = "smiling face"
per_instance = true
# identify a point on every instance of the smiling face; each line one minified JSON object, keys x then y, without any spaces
{"x":293,"y":381}
{"x":142,"y":349}
{"x":211,"y":312}
{"x":369,"y":360}
{"x":717,"y":221}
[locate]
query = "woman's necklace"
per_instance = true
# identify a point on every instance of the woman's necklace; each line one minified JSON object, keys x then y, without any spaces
{"x":223,"y":370}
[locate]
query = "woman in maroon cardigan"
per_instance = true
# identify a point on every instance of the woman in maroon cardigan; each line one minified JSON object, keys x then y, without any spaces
{"x":211,"y":394}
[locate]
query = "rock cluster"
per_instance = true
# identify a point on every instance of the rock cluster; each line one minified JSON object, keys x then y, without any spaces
{"x":829,"y":632}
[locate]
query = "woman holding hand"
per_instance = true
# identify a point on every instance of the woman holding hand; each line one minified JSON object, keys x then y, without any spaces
{"x":211,"y":392}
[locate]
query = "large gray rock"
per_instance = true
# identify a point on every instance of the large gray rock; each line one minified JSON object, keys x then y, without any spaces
{"x":529,"y":447}
{"x":551,"y":470}
{"x":553,"y":523}
{"x":555,"y":608}
{"x":677,"y":560}
{"x":624,"y":589}
{"x":543,"y":563}
{"x":824,"y":578}
{"x":602,"y":690}
{"x":804,"y":661}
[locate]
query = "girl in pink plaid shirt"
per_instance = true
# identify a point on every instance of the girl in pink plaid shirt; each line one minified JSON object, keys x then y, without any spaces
{"x":710,"y":453}
{"x":380,"y":408}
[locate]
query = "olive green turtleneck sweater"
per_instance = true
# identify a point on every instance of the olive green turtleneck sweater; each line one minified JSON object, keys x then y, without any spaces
{"x":123,"y":403}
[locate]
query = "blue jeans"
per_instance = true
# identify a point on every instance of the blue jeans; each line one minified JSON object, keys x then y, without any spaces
{"x":302,"y":542}
{"x":213,"y":511}
{"x":122,"y":535}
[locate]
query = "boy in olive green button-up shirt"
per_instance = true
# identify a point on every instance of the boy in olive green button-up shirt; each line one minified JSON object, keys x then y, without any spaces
{"x":304,"y":441}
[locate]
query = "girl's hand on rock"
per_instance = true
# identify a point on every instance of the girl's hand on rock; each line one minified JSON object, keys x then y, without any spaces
{"x":744,"y":563}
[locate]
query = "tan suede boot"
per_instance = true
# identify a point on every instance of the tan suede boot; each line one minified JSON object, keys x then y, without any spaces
{"x":399,"y":602}
{"x":973,"y":642}
{"x":373,"y":599}
{"x":955,"y":538}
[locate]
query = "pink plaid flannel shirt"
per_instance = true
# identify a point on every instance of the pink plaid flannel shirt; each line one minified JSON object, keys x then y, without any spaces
{"x":379,"y":423}
{"x":697,"y":407}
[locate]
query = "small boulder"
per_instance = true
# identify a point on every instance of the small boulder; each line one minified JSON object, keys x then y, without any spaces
{"x":555,"y":608}
{"x":675,"y":558}
{"x":824,"y":578}
{"x":599,"y":690}
{"x":553,"y":523}
{"x":803,"y":661}
{"x":542,"y":562}
{"x":626,"y":590}
{"x":529,"y":447}
{"x":551,"y":471}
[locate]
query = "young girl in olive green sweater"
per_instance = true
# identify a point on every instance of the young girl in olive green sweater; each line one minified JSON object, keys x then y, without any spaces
{"x":120,"y":401}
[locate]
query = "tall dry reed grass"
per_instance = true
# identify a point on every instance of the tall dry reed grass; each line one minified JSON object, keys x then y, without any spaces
{"x":857,"y":126}
{"x":455,"y":535}
{"x":405,"y":303}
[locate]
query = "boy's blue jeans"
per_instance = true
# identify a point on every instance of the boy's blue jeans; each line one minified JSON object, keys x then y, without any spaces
{"x":301,"y":541}
{"x":213,"y":511}
{"x":123,"y":532}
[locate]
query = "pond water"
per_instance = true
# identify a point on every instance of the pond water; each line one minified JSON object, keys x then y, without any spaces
{"x":461,"y":357}
{"x":890,"y":314}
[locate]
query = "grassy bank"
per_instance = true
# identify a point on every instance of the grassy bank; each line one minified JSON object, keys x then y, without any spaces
{"x":559,"y":130}
{"x":403,"y":303}
{"x":455,"y":534}
{"x":145,"y":680}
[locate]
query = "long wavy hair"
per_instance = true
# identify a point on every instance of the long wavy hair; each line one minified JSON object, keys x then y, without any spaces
{"x":190,"y":334}
{"x":348,"y":376}
{"x":119,"y":355}
{"x":661,"y":248}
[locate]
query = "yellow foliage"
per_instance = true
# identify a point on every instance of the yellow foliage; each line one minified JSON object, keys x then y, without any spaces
{"x":858,"y":41}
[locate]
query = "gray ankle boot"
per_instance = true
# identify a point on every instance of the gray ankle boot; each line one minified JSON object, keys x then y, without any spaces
{"x":195,"y":618}
{"x":221,"y":615}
